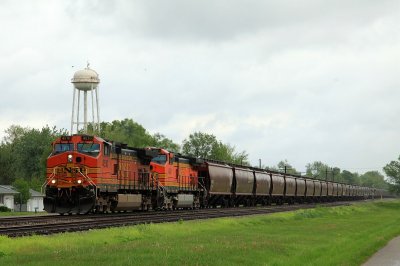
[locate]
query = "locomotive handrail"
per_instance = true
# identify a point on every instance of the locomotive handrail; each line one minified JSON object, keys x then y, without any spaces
{"x":157,"y":182}
{"x":47,"y":182}
{"x":89,"y":180}
{"x":202,"y":186}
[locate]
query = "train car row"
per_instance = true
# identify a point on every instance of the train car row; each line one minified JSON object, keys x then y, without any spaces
{"x":236,"y":185}
{"x":89,"y":173}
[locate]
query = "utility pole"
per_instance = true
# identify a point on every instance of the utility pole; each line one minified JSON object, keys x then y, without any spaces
{"x":259,"y":160}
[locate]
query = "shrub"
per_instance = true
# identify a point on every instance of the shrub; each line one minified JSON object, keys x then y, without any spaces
{"x":4,"y":209}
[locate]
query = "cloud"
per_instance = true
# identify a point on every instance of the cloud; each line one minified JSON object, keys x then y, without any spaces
{"x":303,"y":81}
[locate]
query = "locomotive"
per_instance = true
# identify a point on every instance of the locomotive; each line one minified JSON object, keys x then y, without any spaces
{"x":90,"y":174}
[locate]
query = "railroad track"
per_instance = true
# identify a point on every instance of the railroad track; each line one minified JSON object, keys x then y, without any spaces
{"x":51,"y":224}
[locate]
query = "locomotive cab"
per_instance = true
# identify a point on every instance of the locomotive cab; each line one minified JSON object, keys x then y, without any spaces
{"x":71,"y":175}
{"x":162,"y":162}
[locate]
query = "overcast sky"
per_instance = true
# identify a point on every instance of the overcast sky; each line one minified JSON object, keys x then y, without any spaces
{"x":295,"y":80}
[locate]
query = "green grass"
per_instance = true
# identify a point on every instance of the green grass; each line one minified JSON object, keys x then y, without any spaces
{"x":21,"y":213}
{"x":322,"y":236}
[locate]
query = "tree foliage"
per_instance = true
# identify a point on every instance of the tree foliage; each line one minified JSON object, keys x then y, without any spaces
{"x":203,"y":145}
{"x":23,"y":153}
{"x":373,"y":179}
{"x":392,"y":170}
{"x":22,"y":186}
{"x":283,"y":166}
{"x":135,"y":135}
{"x":318,"y":170}
{"x":349,"y":177}
{"x":321,"y":170}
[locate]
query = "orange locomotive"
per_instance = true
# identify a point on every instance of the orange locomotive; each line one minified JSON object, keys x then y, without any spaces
{"x":87,"y":173}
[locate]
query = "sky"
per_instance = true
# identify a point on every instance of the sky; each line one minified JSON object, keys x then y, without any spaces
{"x":297,"y":80}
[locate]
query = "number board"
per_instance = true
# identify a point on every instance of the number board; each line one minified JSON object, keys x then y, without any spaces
{"x":66,"y":138}
{"x":87,"y":138}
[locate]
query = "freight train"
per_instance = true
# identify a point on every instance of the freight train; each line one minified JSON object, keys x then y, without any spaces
{"x":90,"y":174}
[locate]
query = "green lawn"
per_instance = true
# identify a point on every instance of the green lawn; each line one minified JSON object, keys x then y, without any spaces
{"x":322,"y":236}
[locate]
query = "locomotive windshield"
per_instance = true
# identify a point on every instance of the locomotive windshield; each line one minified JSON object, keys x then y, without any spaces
{"x":92,"y":149}
{"x":63,"y":147}
{"x":160,"y":159}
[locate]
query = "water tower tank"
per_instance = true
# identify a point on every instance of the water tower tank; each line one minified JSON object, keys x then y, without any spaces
{"x":85,"y":82}
{"x":86,"y":79}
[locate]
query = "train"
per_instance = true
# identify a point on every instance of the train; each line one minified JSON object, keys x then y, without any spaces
{"x":89,"y":174}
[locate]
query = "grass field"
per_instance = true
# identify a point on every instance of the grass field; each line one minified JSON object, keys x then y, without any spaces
{"x":21,"y":213}
{"x":322,"y":236}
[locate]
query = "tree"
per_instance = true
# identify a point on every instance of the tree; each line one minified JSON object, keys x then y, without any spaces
{"x":392,"y":170}
{"x":24,"y":151}
{"x":31,"y":150}
{"x":284,"y":164}
{"x":336,"y":176}
{"x":203,"y":145}
{"x":22,"y":186}
{"x":135,"y":135}
{"x":321,"y":170}
{"x":373,"y":179}
{"x":161,"y":141}
{"x":199,"y":145}
{"x":6,"y":162}
{"x":317,"y":169}
{"x":126,"y":131}
{"x":349,"y":177}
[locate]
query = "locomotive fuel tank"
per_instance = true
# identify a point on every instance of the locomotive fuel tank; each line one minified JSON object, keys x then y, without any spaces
{"x":127,"y":202}
{"x":184,"y":200}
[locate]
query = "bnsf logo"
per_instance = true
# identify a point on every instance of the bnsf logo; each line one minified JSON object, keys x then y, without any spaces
{"x":71,"y":170}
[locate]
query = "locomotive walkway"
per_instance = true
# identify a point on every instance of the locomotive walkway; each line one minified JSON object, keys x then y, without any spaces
{"x":387,"y":256}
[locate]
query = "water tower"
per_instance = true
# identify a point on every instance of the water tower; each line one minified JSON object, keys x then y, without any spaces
{"x":84,"y":81}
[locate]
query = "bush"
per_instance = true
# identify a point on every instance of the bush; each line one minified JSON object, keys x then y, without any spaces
{"x":4,"y":209}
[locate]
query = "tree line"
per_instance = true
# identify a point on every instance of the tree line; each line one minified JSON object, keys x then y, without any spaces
{"x":320,"y":170}
{"x":24,"y":150}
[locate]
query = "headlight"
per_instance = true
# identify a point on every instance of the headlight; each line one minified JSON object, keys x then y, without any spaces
{"x":79,"y":181}
{"x":70,"y":158}
{"x":53,"y":181}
